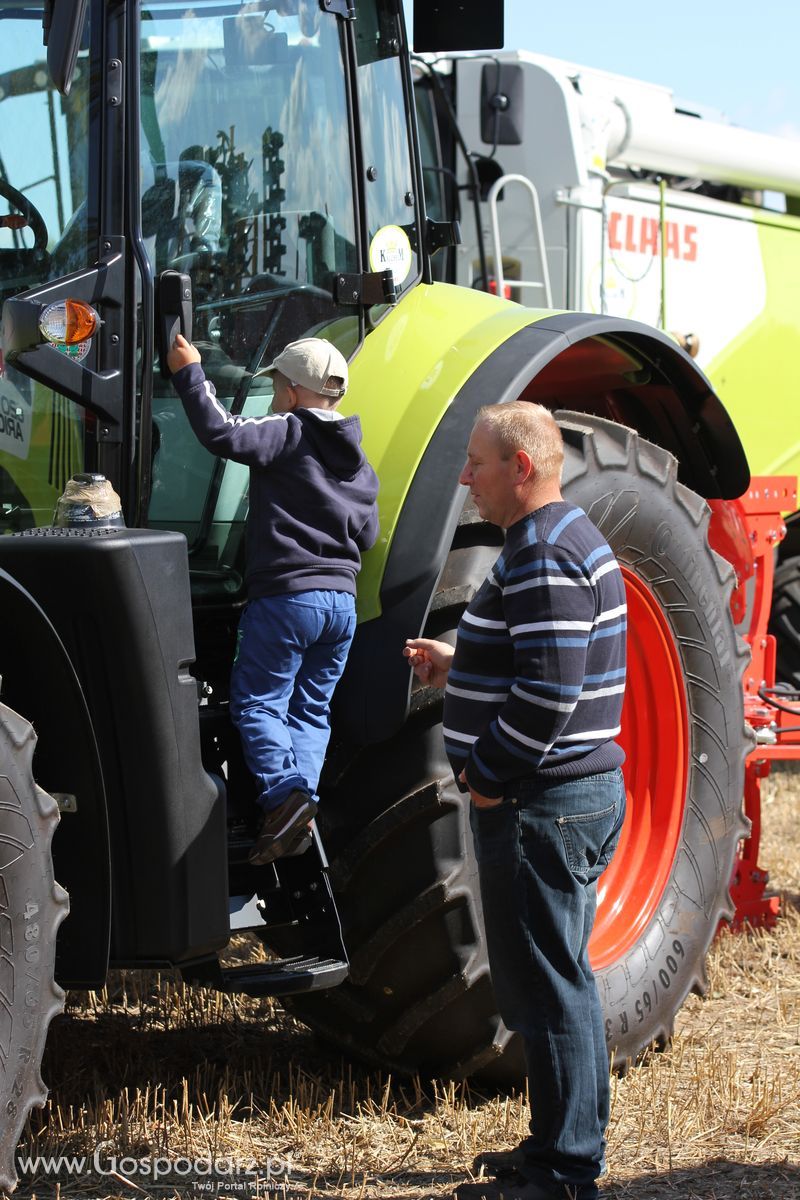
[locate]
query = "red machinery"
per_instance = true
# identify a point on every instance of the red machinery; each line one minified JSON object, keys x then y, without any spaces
{"x":772,"y":712}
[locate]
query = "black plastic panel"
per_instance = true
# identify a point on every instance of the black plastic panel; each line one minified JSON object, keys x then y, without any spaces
{"x":39,"y":682}
{"x":458,"y":25}
{"x":119,"y":599}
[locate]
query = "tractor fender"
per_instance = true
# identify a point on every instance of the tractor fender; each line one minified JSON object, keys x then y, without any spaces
{"x":39,"y":680}
{"x":607,"y":366}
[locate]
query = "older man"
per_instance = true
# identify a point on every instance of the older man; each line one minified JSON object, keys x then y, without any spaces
{"x":532,"y":708}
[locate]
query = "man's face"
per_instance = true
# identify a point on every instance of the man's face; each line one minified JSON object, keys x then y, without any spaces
{"x":490,"y":478}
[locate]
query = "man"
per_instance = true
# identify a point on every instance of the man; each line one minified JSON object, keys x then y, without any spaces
{"x":532,"y":707}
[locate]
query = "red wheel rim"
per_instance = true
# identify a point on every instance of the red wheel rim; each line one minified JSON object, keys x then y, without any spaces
{"x":655,"y":737}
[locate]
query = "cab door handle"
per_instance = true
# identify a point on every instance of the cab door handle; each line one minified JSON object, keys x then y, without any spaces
{"x":173,"y":313}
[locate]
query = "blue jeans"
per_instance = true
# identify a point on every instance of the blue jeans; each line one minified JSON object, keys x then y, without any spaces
{"x":291,"y":651}
{"x":540,"y":852}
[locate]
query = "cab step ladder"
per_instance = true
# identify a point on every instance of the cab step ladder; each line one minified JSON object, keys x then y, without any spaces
{"x":542,"y":284}
{"x":289,"y":904}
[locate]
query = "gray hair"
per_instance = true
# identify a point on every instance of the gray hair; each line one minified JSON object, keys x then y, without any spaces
{"x":520,"y":425}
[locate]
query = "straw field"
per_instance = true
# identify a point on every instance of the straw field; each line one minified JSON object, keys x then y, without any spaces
{"x":232,"y":1097}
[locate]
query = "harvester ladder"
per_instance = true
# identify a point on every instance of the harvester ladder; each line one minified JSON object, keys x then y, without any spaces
{"x":544,"y":283}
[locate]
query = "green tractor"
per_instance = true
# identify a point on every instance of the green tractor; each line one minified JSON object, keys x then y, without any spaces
{"x":251,"y":174}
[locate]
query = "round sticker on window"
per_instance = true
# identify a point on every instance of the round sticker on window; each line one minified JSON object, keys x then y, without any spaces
{"x":390,"y":249}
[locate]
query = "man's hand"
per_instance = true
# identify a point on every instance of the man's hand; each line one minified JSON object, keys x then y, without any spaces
{"x":181,"y":354}
{"x":429,"y":660}
{"x":477,"y":799}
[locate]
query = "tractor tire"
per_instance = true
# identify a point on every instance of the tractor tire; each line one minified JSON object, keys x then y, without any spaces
{"x":32,"y":906}
{"x":784,"y":621}
{"x":419,"y":997}
{"x":683,"y":729}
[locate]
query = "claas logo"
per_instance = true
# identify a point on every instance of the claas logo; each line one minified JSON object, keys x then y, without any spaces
{"x":640,"y":235}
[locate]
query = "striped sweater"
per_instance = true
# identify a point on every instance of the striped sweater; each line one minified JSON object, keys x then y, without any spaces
{"x":537,"y":679}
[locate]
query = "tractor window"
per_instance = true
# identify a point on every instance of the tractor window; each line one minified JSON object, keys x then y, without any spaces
{"x":430,"y":154}
{"x":389,"y":184}
{"x":246,"y":186}
{"x":46,"y":230}
{"x":441,"y":190}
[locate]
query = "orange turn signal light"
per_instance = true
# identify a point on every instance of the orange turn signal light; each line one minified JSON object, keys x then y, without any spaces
{"x":68,"y":322}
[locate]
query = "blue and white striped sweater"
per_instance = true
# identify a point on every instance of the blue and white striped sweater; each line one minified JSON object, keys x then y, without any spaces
{"x":538,"y":675}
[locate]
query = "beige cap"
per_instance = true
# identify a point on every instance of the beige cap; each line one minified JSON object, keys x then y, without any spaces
{"x":314,"y":364}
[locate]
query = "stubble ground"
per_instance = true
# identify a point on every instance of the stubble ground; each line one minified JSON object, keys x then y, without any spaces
{"x":151,"y":1069}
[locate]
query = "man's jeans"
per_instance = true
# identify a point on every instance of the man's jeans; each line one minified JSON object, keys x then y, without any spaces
{"x":290,"y":654}
{"x":540,"y":852}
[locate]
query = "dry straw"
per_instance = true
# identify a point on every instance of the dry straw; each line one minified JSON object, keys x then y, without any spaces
{"x":155,"y":1068}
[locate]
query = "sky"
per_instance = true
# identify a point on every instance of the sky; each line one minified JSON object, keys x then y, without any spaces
{"x":737,"y":57}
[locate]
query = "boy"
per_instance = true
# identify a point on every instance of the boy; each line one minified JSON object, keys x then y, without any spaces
{"x":312,"y":513}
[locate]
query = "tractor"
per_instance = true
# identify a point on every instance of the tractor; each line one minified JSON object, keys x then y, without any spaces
{"x":250,"y":174}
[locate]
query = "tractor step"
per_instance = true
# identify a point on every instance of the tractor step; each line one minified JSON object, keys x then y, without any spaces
{"x":281,"y":977}
{"x":241,"y":839}
{"x":287,"y":904}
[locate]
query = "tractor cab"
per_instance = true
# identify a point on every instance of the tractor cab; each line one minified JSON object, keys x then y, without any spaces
{"x":222,"y":142}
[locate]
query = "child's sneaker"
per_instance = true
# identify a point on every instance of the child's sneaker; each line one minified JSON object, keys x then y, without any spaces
{"x":284,"y":828}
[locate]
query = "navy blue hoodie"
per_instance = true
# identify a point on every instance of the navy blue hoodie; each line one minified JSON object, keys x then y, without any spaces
{"x":312,"y":491}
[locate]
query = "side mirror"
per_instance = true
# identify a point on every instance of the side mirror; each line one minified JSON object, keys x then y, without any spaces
{"x":63,"y":27}
{"x":458,"y":25}
{"x":502,"y":108}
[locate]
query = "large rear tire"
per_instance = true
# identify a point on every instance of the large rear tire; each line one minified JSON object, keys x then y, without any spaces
{"x":32,"y":906}
{"x":667,"y":888}
{"x":396,"y":828}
